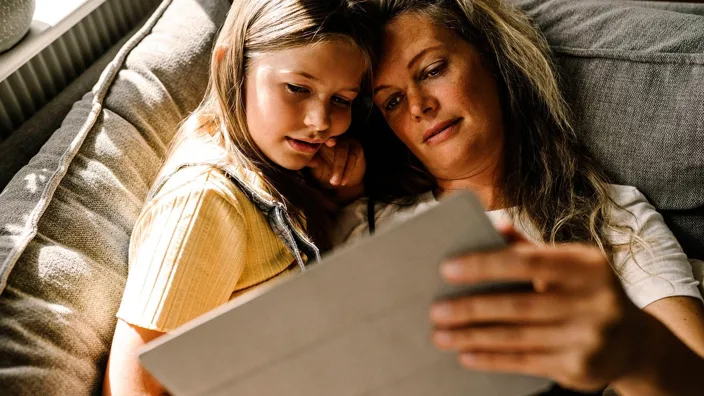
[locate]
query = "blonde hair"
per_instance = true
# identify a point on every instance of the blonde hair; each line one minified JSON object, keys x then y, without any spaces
{"x":252,"y":28}
{"x":549,"y":176}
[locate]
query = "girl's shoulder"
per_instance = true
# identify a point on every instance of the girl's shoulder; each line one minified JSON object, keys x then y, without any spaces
{"x":208,"y":184}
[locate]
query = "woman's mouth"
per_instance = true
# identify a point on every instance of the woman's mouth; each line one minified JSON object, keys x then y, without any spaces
{"x":303,"y":146}
{"x":441,"y":131}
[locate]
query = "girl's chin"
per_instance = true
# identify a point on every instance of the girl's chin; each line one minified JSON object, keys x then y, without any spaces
{"x":294,"y":162}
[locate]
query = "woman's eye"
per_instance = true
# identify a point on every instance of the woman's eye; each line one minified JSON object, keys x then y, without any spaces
{"x":392,"y":103}
{"x":341,"y":101}
{"x":435,"y":71}
{"x":296,"y":89}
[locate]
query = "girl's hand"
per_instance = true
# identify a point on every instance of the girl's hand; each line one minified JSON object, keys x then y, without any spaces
{"x":579,"y":328}
{"x":339,"y":164}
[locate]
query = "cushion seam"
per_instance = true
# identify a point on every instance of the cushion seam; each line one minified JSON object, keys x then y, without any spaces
{"x":632,"y":56}
{"x":99,"y":91}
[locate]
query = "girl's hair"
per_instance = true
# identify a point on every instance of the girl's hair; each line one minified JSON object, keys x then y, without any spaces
{"x":253,"y":28}
{"x":548,"y":175}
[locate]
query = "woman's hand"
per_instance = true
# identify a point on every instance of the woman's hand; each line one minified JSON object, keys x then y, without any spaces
{"x":579,"y":328}
{"x":340,"y":165}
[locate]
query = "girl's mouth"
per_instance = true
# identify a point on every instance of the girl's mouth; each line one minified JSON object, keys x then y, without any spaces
{"x":303,"y":146}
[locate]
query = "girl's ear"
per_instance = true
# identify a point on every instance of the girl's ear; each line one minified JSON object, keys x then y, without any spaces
{"x":219,"y":53}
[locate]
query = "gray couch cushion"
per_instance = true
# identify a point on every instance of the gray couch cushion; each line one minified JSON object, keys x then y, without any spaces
{"x":633,"y":73}
{"x":67,"y":216}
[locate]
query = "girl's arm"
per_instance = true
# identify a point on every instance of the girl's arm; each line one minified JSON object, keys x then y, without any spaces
{"x":187,"y":253}
{"x":130,"y":378}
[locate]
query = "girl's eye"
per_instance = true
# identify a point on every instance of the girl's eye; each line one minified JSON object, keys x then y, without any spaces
{"x":341,"y":101}
{"x":296,"y":89}
{"x":392,"y":103}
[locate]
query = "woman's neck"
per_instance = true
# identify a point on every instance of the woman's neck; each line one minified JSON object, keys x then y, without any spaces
{"x":482,"y":179}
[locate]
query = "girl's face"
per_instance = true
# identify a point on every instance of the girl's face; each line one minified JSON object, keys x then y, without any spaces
{"x":298,"y":98}
{"x":437,"y":95}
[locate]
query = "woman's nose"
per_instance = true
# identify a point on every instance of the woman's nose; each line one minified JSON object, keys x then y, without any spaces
{"x":317,"y":116}
{"x":420,"y":104}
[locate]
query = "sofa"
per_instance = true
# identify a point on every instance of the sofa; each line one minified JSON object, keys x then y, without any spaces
{"x":632,"y":72}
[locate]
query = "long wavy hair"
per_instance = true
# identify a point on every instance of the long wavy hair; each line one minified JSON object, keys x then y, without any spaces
{"x":253,"y":28}
{"x":549,"y":177}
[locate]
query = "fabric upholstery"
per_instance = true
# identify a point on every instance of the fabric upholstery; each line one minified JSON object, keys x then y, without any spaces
{"x":632,"y":72}
{"x":67,"y":216}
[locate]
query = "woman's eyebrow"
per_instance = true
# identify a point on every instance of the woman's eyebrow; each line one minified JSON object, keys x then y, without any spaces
{"x":413,"y":60}
{"x":421,"y":53}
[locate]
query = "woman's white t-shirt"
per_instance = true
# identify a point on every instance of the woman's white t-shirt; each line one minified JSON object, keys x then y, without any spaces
{"x":647,"y":276}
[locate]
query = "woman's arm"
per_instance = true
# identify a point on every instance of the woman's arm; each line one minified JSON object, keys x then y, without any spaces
{"x":580,"y":330}
{"x":671,"y":350}
{"x":129,"y":376}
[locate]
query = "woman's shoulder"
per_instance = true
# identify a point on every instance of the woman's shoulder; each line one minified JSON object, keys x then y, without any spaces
{"x":630,"y":203}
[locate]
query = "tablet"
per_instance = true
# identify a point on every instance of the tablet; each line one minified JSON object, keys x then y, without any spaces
{"x":354,"y":324}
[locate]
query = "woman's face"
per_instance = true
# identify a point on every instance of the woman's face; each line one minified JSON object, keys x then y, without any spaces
{"x":438,"y":96}
{"x":297,"y":98}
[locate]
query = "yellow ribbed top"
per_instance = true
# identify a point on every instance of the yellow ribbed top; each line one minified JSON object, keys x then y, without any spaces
{"x":198,"y":243}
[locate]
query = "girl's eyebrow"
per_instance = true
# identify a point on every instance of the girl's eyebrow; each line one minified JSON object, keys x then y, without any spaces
{"x":316,"y":79}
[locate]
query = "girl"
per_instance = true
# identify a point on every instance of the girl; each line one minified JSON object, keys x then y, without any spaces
{"x":230,"y":210}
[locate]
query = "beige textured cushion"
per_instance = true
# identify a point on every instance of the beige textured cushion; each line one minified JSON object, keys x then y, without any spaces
{"x":66,"y":217}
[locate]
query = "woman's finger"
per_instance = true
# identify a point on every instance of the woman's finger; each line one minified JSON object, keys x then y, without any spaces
{"x":505,"y":308}
{"x":570,"y":265}
{"x":541,"y":364}
{"x":510,"y":234}
{"x":507,"y":338}
{"x":339,"y":161}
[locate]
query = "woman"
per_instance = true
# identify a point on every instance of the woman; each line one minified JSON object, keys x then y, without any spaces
{"x":472,"y":102}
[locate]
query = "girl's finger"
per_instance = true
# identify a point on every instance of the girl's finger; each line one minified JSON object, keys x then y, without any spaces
{"x":513,"y":308}
{"x":339,"y":161}
{"x":331,"y":142}
{"x":349,"y":166}
{"x":507,"y":338}
{"x":314,"y":162}
{"x":353,"y":159}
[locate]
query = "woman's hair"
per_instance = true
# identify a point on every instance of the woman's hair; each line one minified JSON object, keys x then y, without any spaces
{"x":548,"y":176}
{"x":253,"y":28}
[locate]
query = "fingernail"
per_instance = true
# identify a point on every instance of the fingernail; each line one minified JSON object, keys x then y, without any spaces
{"x":442,"y":338}
{"x":440,"y":312}
{"x":335,"y":180}
{"x":468,"y":359}
{"x":450,"y":269}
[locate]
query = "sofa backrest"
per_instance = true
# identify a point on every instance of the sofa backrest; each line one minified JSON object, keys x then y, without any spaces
{"x":67,"y":216}
{"x":633,"y":73}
